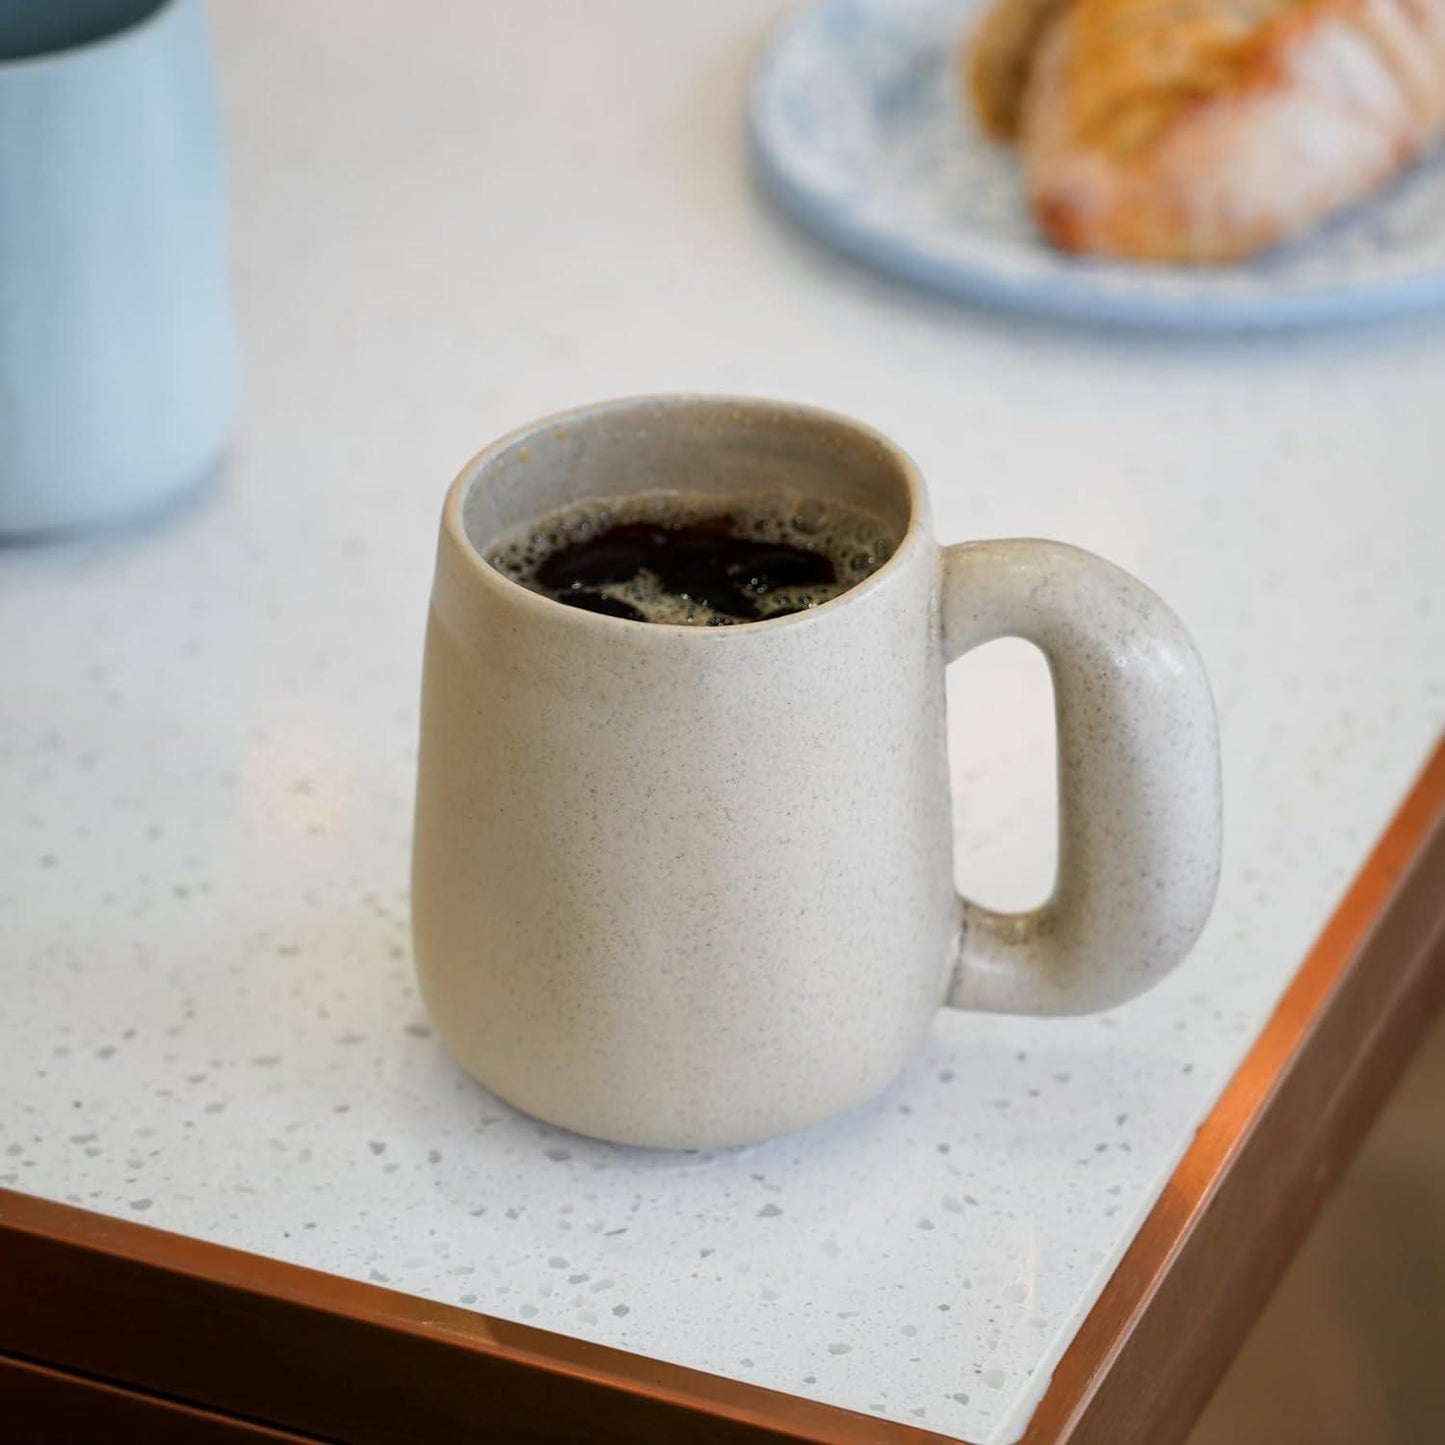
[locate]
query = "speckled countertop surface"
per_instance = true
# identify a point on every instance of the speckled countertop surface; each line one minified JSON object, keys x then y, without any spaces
{"x":207,"y":728}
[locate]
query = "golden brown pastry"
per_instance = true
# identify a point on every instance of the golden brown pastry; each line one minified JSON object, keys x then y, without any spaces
{"x":1206,"y":130}
{"x":1000,"y":56}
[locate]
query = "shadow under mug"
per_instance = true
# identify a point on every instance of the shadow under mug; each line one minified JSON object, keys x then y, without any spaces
{"x":693,"y":886}
{"x":116,"y":347}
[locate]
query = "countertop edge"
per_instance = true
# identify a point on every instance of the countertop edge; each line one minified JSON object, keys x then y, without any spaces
{"x":233,"y":1331}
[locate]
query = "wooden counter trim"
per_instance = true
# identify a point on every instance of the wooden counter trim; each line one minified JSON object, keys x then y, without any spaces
{"x":248,"y":1335}
{"x":41,"y":1406}
{"x":1242,"y":1200}
{"x":312,"y":1352}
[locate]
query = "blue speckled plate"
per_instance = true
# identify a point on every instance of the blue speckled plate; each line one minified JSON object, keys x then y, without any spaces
{"x":859,"y":129}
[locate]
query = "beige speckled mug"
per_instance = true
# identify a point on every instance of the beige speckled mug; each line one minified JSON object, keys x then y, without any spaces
{"x":689,"y":886}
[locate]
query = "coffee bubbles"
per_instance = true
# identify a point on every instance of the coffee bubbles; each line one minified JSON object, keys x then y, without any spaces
{"x":695,"y":560}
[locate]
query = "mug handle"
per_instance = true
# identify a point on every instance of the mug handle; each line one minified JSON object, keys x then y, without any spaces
{"x":1139,"y":794}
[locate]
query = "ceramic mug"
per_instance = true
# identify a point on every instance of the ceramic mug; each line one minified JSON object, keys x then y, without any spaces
{"x":689,"y":886}
{"x":116,"y":351}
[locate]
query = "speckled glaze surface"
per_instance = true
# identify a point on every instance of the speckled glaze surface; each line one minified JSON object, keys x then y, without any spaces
{"x":208,"y":730}
{"x":859,"y":129}
{"x":691,"y":887}
{"x":1139,"y":787}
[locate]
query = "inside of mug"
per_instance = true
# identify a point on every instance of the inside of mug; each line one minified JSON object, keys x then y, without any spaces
{"x":31,"y":28}
{"x":713,"y":446}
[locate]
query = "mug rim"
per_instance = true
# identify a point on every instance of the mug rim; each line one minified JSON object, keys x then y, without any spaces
{"x":123,"y":35}
{"x":915,"y":534}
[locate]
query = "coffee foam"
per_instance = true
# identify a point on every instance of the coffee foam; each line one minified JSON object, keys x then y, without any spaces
{"x":855,"y":541}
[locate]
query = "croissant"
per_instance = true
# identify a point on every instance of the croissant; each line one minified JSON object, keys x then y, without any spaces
{"x":1207,"y":130}
{"x":1000,"y":57}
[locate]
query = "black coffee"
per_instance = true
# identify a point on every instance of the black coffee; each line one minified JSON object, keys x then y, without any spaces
{"x":671,"y":557}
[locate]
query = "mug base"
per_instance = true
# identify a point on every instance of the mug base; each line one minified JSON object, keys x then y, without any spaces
{"x":653,"y":1133}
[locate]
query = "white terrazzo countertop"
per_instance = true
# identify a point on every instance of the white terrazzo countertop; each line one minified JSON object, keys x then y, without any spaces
{"x":443,"y":228}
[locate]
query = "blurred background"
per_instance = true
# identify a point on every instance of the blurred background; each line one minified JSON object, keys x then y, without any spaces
{"x":1347,"y":1350}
